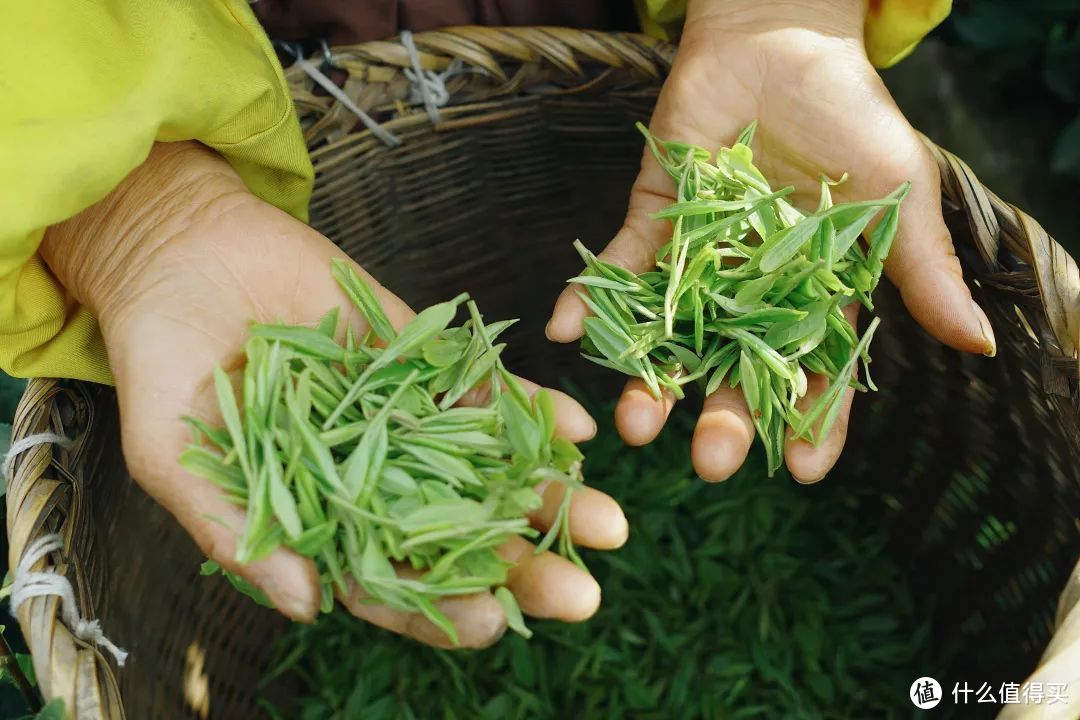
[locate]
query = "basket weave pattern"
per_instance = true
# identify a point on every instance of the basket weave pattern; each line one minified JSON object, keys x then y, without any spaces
{"x":536,"y":149}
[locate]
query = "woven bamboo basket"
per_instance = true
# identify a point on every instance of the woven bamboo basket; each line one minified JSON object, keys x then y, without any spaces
{"x":535,"y":149}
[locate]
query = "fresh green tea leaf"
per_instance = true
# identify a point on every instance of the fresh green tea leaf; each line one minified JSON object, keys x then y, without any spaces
{"x":783,"y":245}
{"x":363,"y":298}
{"x":514,"y":619}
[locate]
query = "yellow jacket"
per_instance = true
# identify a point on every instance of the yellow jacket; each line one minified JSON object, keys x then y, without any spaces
{"x":88,"y":87}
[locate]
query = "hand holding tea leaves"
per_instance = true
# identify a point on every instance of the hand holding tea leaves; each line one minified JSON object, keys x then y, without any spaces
{"x":176,"y":264}
{"x":750,"y":293}
{"x":801,"y":70}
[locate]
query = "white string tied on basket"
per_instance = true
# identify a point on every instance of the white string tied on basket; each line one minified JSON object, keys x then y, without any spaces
{"x":23,"y":444}
{"x":428,"y":86}
{"x":338,"y":94}
{"x":29,"y":583}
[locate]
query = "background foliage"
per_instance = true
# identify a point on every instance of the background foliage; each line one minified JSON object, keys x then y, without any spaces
{"x":998,"y":83}
{"x":1034,"y":47}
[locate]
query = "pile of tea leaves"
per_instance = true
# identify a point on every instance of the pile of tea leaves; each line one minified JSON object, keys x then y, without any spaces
{"x":753,"y":598}
{"x":358,"y":455}
{"x":750,"y":291}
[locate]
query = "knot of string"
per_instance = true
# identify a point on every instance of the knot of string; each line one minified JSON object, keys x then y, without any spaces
{"x":428,"y":86}
{"x":29,"y":583}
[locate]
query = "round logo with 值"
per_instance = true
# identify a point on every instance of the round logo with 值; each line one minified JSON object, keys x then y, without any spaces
{"x":925,"y":693}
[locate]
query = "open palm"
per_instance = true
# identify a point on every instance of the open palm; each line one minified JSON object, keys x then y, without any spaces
{"x":821,"y":108}
{"x":184,"y":305}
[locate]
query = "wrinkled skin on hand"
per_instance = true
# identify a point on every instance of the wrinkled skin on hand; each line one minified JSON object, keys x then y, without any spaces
{"x":175,"y":264}
{"x":799,"y":67}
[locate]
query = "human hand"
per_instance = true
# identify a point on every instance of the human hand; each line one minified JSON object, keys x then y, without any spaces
{"x":176,"y":263}
{"x":799,"y":67}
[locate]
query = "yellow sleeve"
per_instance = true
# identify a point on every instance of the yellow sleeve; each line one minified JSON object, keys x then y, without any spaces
{"x":86,"y":89}
{"x":663,"y":19}
{"x":893,"y":27}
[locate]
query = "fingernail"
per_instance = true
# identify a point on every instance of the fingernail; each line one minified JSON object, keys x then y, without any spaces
{"x":429,"y":633}
{"x":715,"y":458}
{"x":622,"y":535}
{"x":586,"y":602}
{"x":547,"y":330}
{"x":297,"y":609}
{"x":293,"y":606}
{"x":811,"y":479}
{"x":986,"y":329}
{"x":479,"y":623}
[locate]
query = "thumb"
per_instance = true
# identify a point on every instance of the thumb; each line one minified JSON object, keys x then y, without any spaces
{"x":153,"y":438}
{"x":633,"y":247}
{"x":924,"y":267}
{"x":289,"y":580}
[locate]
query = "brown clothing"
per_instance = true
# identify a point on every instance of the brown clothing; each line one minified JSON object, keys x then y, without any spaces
{"x":352,"y":21}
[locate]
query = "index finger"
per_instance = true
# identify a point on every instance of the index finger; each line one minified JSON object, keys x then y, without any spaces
{"x":633,"y":247}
